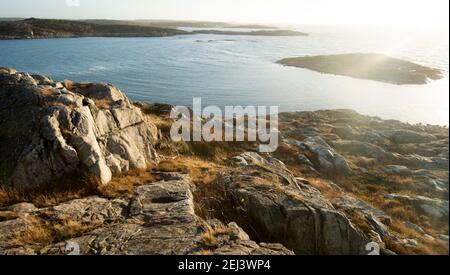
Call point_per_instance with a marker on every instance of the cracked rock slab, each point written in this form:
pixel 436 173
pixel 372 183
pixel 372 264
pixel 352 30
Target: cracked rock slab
pixel 158 219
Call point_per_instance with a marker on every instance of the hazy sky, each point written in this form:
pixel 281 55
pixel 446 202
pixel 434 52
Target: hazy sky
pixel 400 12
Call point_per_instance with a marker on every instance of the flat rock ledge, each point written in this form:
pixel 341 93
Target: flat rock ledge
pixel 159 219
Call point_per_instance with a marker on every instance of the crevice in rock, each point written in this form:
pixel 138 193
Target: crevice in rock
pixel 166 200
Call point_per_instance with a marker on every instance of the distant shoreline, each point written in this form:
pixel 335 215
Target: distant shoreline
pixel 51 28
pixel 48 28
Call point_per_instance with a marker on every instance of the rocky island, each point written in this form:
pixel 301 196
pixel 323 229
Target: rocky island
pixel 50 28
pixel 370 66
pixel 81 163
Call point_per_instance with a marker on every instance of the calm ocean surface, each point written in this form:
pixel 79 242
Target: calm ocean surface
pixel 241 70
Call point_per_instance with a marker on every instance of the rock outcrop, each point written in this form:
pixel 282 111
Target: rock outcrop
pixel 327 159
pixel 159 219
pixel 397 167
pixel 434 208
pixel 342 142
pixel 50 129
pixel 283 209
pixel 408 136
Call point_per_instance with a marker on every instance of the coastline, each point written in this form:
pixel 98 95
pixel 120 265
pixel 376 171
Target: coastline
pixel 33 28
pixel 297 86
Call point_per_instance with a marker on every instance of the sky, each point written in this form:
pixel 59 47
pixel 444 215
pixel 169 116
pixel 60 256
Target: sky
pixel 386 12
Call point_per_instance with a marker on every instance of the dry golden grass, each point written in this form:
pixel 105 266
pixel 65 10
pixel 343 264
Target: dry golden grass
pixel 427 245
pixel 47 91
pixel 81 184
pixel 326 189
pixel 164 125
pixel 8 215
pixel 77 185
pixel 156 110
pixel 125 183
pixel 35 234
pixel 209 150
pixel 204 253
pixel 215 151
pixel 361 161
pixel 397 210
pixel 402 249
pixel 396 179
pixel 218 152
pixel 434 247
pixel 74 186
pixel 289 155
pixel 103 104
pixel 41 232
pixel 159 116
pixel 440 173
pixel 56 104
pixel 68 84
pixel 209 237
pixel 401 228
pixel 402 212
pixel 172 166
pixel 374 193
pixel 201 172
pixel 360 221
pixel 4 195
pixel 211 201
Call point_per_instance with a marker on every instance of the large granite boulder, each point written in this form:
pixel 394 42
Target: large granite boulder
pixel 50 129
pixel 358 148
pixel 327 159
pixel 402 136
pixel 287 211
pixel 434 208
